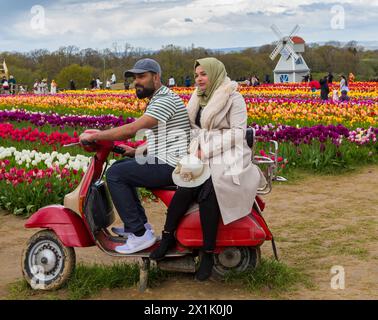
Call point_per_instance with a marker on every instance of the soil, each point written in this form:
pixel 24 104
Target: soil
pixel 318 221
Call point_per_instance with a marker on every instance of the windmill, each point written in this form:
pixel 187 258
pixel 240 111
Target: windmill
pixel 291 67
pixel 4 70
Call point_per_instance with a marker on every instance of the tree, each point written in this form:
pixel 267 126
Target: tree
pixel 81 75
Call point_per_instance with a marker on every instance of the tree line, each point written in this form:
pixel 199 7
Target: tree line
pixel 81 65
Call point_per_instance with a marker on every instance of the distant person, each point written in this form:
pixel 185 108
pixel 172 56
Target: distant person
pixel 343 84
pixel 171 82
pixel 12 84
pixel 335 96
pixel 43 88
pixel 351 77
pixel 306 78
pixel 255 81
pixel 72 85
pixel 5 85
pixel 21 90
pixel 126 84
pixel 108 85
pixel 36 87
pixel 93 83
pixel 330 77
pixel 188 81
pixel 53 87
pixel 324 88
pixel 267 78
pixel 98 83
pixel 344 96
pixel 113 79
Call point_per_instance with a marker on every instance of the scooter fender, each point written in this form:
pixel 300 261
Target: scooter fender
pixel 68 225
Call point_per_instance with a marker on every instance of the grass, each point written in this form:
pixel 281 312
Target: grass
pixel 88 281
pixel 271 275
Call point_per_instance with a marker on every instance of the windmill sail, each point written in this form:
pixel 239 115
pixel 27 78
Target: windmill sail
pixel 291 51
pixel 5 69
pixel 276 51
pixel 276 31
pixel 294 31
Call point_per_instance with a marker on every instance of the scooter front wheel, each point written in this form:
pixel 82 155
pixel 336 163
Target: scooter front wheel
pixel 236 259
pixel 46 263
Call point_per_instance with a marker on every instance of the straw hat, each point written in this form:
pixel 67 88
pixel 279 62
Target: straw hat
pixel 190 172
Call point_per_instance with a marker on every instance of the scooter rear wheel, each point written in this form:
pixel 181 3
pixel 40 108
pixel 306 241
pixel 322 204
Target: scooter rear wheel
pixel 236 259
pixel 46 263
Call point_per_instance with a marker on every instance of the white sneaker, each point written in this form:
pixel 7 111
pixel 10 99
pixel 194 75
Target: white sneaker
pixel 135 244
pixel 121 231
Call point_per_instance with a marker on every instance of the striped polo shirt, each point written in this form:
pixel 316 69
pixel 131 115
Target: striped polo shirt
pixel 169 140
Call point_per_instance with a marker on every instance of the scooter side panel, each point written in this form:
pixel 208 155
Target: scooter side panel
pixel 263 224
pixel 243 232
pixel 68 226
pixel 164 195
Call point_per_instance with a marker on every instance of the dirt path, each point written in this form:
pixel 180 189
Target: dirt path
pixel 319 222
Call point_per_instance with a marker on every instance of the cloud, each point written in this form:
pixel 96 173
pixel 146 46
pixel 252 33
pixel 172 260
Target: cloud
pixel 153 23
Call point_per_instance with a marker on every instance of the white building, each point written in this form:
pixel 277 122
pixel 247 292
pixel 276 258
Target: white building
pixel 288 69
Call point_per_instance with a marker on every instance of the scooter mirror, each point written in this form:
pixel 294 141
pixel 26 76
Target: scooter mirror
pixel 71 144
pixel 280 179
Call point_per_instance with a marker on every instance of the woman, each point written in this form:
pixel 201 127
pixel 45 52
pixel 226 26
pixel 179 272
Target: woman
pixel 218 117
pixel 53 87
pixel 343 84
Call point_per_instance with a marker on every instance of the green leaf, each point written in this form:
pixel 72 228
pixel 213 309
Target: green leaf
pixel 18 212
pixel 29 207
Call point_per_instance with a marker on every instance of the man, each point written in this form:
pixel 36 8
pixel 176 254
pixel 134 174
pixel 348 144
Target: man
pixel 98 83
pixel 113 78
pixel 93 83
pixel 167 142
pixel 12 84
pixel 171 82
pixel 188 81
pixel 330 77
pixel 324 89
pixel 126 84
pixel 72 85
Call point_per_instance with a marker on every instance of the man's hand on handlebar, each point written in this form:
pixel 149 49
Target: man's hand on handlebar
pixel 87 137
pixel 129 151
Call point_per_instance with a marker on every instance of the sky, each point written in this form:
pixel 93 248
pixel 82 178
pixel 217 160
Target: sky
pixel 151 24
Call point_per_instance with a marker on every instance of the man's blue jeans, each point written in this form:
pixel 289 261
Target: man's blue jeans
pixel 124 176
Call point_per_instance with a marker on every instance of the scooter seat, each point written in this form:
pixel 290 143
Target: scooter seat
pixel 172 188
pixel 250 137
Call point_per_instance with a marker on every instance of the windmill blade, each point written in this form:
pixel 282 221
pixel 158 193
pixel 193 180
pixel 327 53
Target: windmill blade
pixel 295 30
pixel 290 49
pixel 276 31
pixel 276 51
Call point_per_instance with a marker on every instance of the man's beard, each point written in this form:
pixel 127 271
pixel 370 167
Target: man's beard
pixel 144 92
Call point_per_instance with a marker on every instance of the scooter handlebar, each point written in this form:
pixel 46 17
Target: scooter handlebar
pixel 119 150
pixel 87 143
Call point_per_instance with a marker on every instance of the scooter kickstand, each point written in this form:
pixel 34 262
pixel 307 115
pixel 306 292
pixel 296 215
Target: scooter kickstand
pixel 143 274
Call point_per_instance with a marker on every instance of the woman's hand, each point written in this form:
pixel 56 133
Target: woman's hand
pixel 199 154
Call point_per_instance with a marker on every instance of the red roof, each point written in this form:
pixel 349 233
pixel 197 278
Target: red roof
pixel 297 40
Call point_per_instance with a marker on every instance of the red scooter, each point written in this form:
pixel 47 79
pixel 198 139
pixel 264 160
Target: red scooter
pixel 48 259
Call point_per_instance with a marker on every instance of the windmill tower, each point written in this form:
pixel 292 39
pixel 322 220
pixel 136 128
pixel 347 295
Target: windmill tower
pixel 291 67
pixel 4 70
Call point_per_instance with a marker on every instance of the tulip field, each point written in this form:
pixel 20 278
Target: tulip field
pixel 315 136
